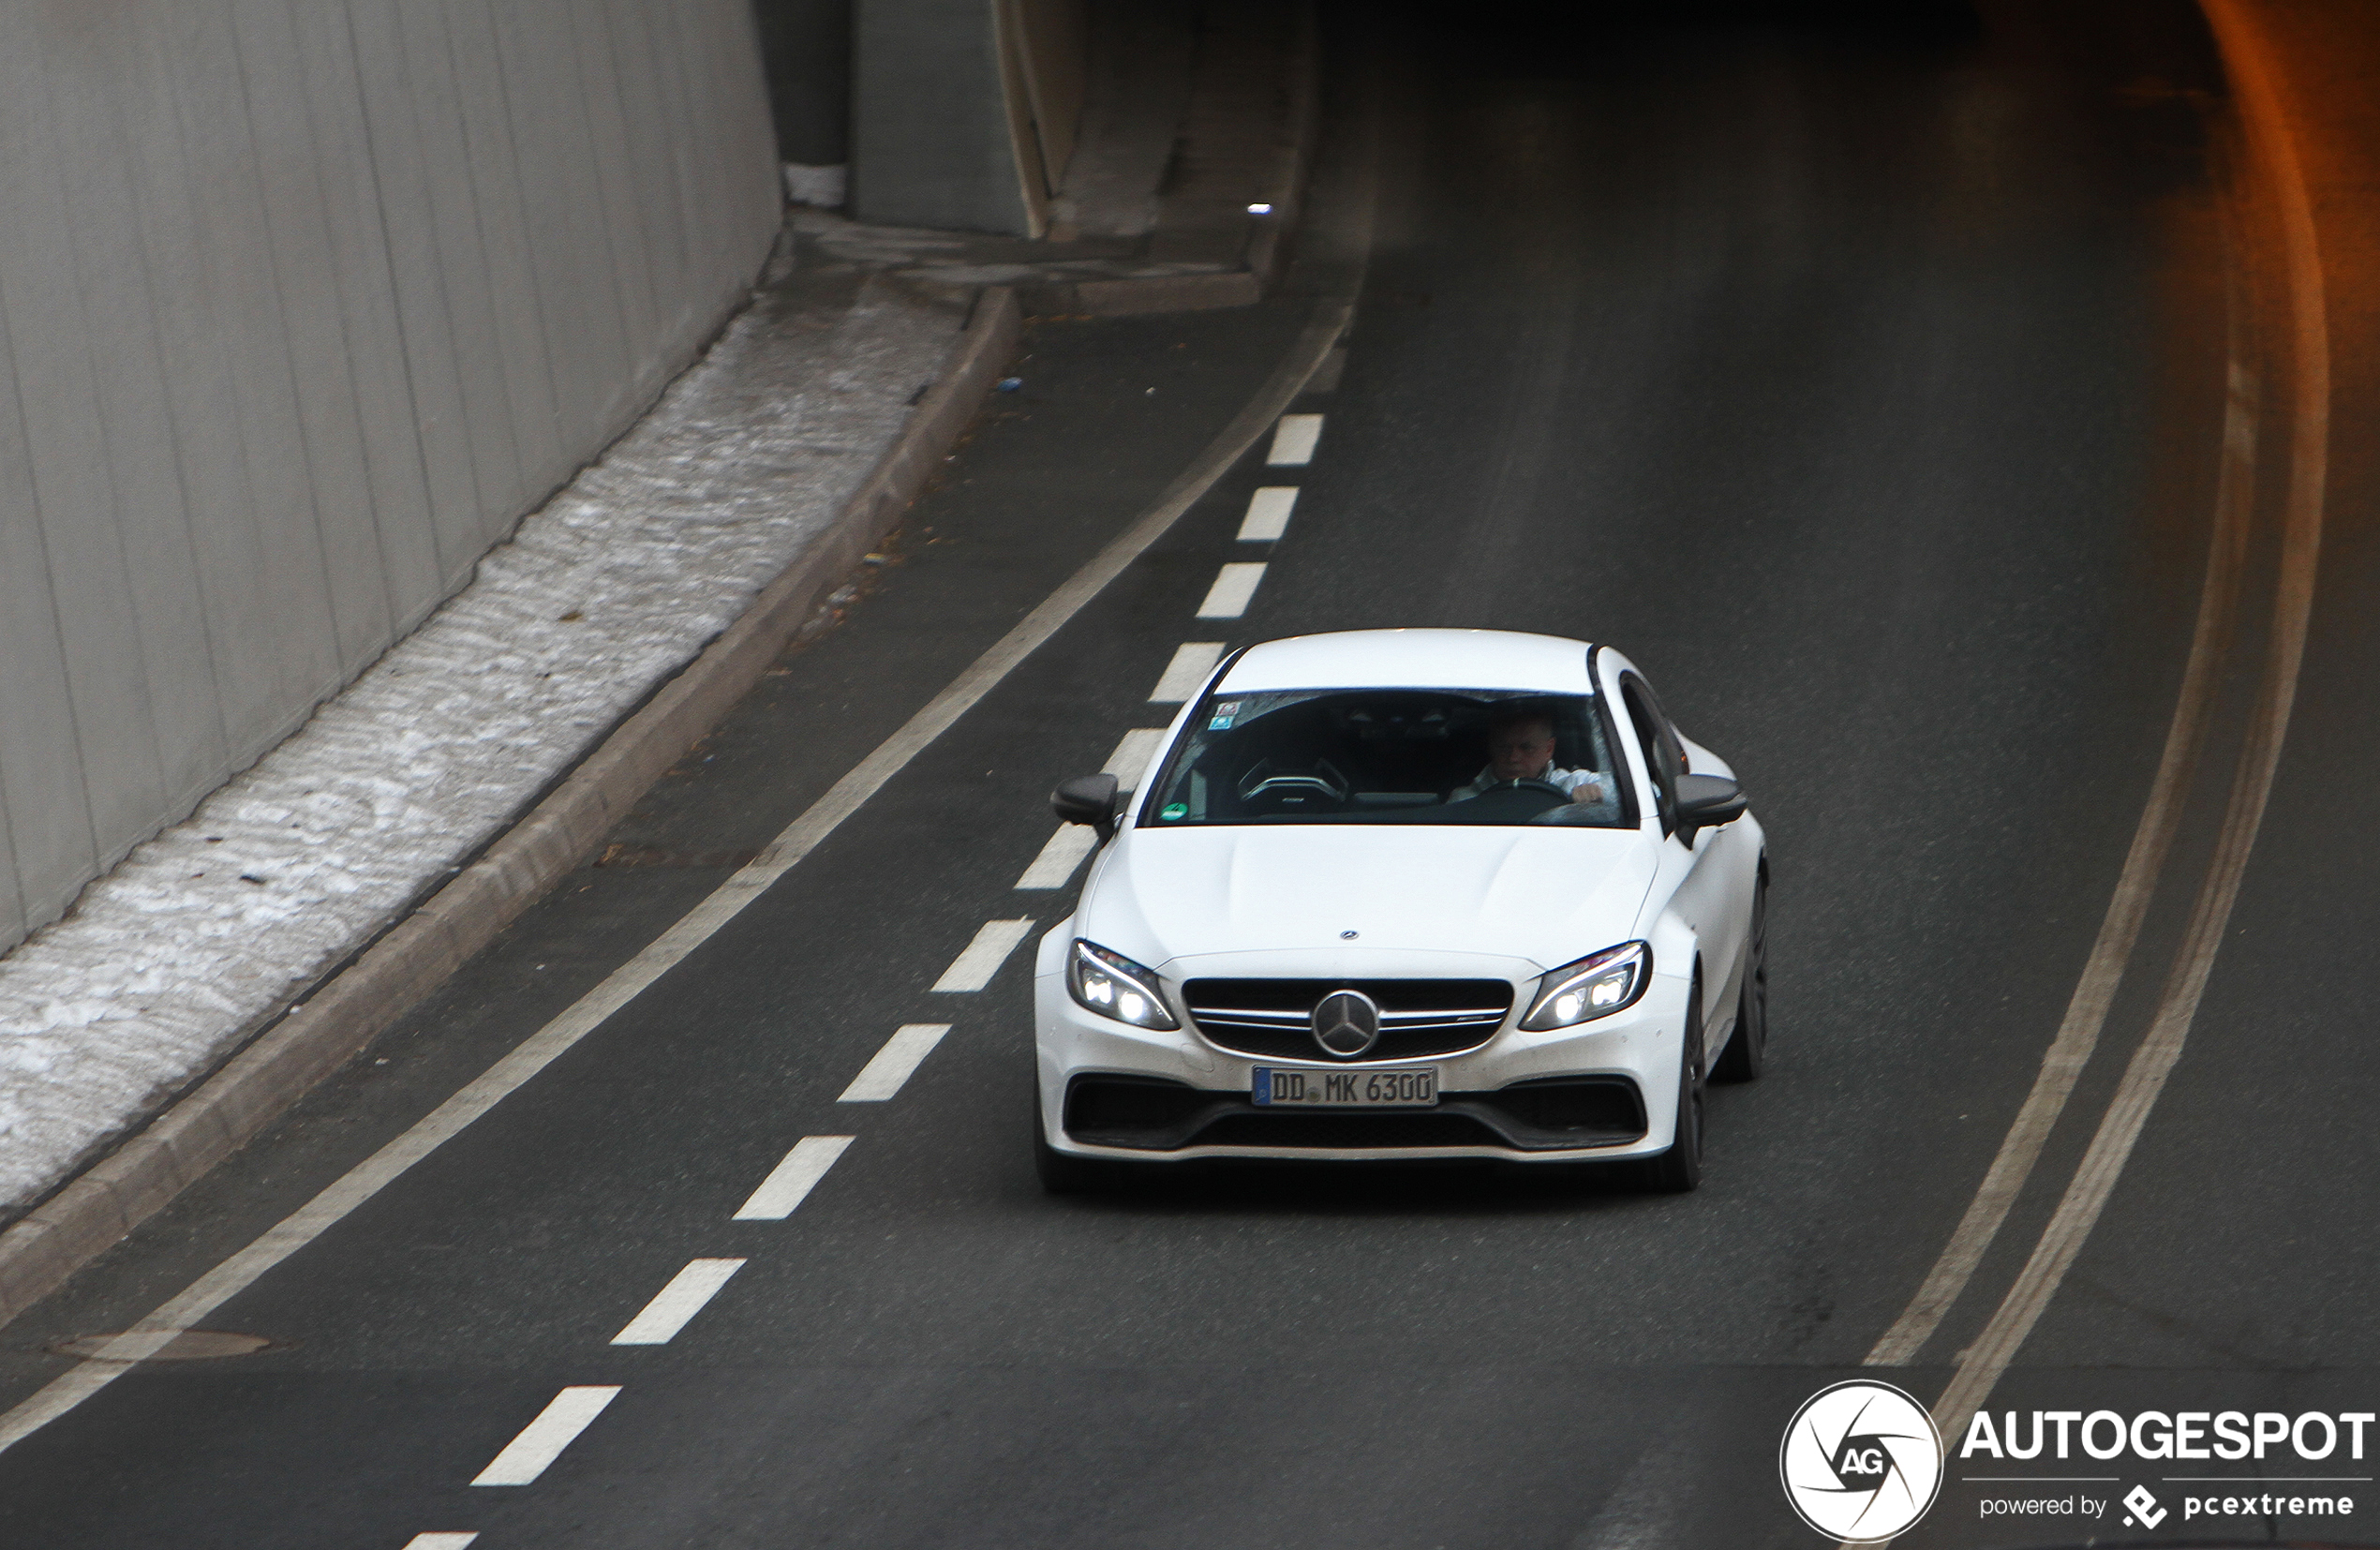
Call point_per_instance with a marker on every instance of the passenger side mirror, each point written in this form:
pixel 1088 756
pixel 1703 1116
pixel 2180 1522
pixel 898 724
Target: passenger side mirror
pixel 1087 799
pixel 1707 801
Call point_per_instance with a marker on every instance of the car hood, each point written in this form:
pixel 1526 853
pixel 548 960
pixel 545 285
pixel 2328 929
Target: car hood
pixel 1544 894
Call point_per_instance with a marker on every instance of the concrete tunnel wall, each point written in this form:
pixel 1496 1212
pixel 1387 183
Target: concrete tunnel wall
pixel 303 304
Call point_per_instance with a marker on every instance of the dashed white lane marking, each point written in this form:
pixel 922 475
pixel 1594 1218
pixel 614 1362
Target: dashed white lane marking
pixel 882 1077
pixel 1191 661
pixel 1268 515
pixel 678 1302
pixel 541 1440
pixel 442 1542
pixel 791 1181
pixel 976 963
pixel 1133 751
pixel 1293 439
pixel 1059 857
pixel 1234 586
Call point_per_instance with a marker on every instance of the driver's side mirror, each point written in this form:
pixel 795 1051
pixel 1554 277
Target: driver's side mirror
pixel 1088 799
pixel 1707 801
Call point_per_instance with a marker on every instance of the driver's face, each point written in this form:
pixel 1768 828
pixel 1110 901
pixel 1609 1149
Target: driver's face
pixel 1521 751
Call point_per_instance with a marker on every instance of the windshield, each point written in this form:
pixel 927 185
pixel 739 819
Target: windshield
pixel 1392 756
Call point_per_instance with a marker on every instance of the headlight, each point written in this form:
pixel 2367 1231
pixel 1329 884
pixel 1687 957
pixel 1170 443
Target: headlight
pixel 1114 986
pixel 1590 988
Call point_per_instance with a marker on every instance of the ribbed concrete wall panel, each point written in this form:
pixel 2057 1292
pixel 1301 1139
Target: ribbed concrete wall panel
pixel 454 277
pixel 41 301
pixel 303 304
pixel 47 782
pixel 652 193
pixel 407 225
pixel 239 311
pixel 244 630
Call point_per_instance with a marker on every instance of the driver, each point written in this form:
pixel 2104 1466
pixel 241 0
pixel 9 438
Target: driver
pixel 1520 748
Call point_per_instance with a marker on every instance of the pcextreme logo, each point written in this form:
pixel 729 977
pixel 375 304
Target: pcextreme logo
pixel 1861 1461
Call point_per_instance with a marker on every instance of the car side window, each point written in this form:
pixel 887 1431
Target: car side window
pixel 1661 750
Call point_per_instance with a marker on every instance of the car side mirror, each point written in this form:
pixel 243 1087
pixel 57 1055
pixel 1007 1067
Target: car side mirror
pixel 1087 799
pixel 1707 801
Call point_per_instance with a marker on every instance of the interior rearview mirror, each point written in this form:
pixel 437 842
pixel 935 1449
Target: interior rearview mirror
pixel 1087 799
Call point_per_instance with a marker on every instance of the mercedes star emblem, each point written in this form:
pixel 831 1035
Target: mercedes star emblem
pixel 1346 1024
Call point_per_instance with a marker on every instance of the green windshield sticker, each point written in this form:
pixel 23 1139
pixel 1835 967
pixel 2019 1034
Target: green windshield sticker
pixel 1174 810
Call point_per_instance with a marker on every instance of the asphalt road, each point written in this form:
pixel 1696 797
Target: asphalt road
pixel 1865 386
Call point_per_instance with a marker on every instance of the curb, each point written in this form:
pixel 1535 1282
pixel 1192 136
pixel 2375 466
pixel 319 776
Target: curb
pixel 346 1011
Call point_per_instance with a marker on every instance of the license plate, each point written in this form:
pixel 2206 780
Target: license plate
pixel 1388 1087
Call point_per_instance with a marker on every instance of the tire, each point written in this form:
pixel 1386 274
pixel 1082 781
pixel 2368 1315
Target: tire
pixel 1748 1051
pixel 1679 1169
pixel 1060 1173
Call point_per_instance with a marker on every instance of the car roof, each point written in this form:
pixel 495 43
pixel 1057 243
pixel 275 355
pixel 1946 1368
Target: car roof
pixel 1414 658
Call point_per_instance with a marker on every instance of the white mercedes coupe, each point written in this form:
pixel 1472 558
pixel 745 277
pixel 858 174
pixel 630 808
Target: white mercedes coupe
pixel 1405 894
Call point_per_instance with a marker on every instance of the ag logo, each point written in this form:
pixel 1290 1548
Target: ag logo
pixel 1861 1461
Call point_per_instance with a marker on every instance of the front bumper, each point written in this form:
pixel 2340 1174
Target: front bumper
pixel 1603 1090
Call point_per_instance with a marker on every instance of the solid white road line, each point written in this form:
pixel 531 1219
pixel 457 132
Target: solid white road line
pixel 1060 855
pixel 805 834
pixel 678 1302
pixel 979 960
pixel 1268 515
pixel 882 1077
pixel 1134 752
pixel 791 1181
pixel 1191 661
pixel 440 1542
pixel 1235 585
pixel 542 1441
pixel 1293 439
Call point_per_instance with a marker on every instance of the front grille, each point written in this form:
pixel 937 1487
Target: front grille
pixel 1274 1018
